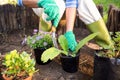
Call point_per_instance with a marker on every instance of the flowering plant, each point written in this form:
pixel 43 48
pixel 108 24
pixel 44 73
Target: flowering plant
pixel 40 40
pixel 18 64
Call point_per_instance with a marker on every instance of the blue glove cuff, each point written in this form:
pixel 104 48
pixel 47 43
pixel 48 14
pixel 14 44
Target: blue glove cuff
pixel 69 33
pixel 20 3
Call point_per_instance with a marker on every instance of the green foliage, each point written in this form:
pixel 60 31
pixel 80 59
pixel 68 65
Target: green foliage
pixel 114 52
pixel 105 17
pixel 106 3
pixel 40 40
pixel 116 40
pixel 51 53
pixel 17 63
pixel 107 53
pixel 84 41
pixel 63 43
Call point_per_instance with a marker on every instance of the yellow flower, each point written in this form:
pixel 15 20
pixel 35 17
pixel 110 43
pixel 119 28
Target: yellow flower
pixel 14 53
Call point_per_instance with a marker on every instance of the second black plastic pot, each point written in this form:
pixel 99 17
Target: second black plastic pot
pixel 70 64
pixel 106 68
pixel 38 52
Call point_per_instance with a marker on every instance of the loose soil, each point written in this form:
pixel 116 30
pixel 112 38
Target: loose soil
pixel 53 70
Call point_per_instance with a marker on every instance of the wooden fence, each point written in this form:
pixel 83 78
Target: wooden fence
pixel 12 18
pixel 113 22
pixel 17 18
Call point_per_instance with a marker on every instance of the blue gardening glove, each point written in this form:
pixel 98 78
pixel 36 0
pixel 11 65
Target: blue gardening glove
pixel 71 40
pixel 51 9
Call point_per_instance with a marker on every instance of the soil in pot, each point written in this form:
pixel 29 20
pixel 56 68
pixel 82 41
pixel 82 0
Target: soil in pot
pixel 70 64
pixel 38 52
pixel 106 68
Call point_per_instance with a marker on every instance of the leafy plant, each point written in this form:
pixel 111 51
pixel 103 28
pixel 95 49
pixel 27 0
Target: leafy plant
pixel 116 40
pixel 40 40
pixel 17 64
pixel 52 52
pixel 115 51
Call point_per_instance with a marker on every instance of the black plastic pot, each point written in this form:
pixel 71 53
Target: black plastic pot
pixel 70 64
pixel 106 68
pixel 38 52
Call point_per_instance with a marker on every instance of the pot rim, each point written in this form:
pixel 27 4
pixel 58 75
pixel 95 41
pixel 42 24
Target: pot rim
pixel 113 60
pixel 8 78
pixel 97 51
pixel 64 56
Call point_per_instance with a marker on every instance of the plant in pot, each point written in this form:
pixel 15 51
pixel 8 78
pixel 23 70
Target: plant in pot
pixel 69 60
pixel 40 42
pixel 18 66
pixel 107 61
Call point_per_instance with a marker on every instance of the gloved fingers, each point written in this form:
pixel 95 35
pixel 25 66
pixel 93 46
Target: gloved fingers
pixel 51 17
pixel 71 40
pixel 53 9
pixel 72 46
pixel 51 13
pixel 56 20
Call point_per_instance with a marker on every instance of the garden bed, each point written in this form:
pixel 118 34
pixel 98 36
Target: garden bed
pixel 53 70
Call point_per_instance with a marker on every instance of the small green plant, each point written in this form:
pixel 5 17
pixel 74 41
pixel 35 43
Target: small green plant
pixel 116 40
pixel 40 40
pixel 52 52
pixel 18 64
pixel 115 51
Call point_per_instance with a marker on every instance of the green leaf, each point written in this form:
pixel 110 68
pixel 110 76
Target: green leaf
pixel 51 53
pixel 63 42
pixel 84 41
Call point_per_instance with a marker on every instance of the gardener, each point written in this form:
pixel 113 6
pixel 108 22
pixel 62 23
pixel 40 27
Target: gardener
pixel 90 15
pixel 87 11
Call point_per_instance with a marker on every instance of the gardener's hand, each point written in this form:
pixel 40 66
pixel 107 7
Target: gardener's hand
pixel 71 40
pixel 51 9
